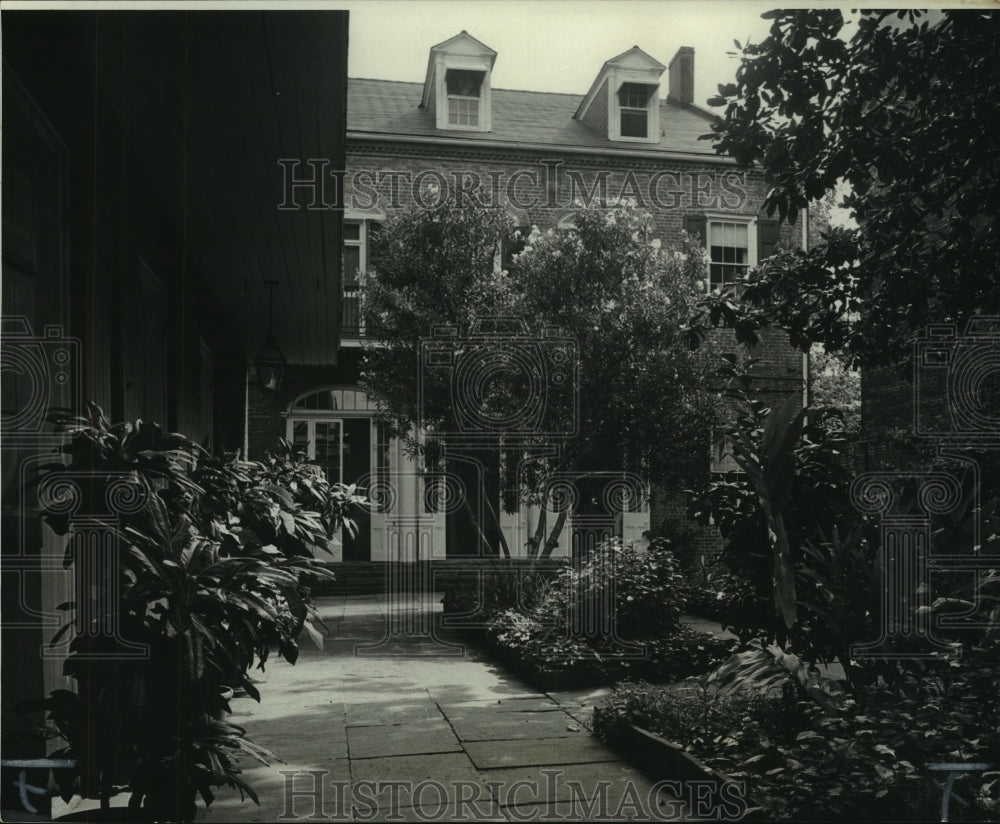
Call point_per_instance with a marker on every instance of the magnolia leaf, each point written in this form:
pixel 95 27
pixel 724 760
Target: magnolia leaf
pixel 314 634
pixel 288 520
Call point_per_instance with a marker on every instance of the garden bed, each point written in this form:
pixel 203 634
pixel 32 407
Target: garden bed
pixel 828 757
pixel 662 760
pixel 539 678
pixel 585 674
pixel 535 629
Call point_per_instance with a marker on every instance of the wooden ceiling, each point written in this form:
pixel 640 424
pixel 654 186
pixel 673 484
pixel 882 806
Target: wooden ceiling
pixel 257 87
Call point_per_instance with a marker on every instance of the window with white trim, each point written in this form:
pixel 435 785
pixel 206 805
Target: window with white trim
pixel 722 460
pixel 464 89
pixel 323 442
pixel 357 238
pixel 633 109
pixel 732 249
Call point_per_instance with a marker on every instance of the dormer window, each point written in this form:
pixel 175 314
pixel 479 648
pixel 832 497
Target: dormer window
pixel 464 97
pixel 624 102
pixel 457 87
pixel 633 109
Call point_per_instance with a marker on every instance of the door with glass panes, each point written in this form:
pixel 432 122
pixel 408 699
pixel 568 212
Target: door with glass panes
pixel 342 449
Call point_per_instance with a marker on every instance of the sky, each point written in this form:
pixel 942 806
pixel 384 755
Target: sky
pixel 552 45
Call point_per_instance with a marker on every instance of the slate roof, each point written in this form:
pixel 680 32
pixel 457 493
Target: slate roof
pixel 390 107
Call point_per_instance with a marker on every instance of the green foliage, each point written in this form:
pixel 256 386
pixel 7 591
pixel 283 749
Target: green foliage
pixel 793 492
pixel 484 594
pixel 713 591
pixel 769 464
pixel 204 584
pixel 813 753
pixel 428 268
pixel 893 107
pixel 760 668
pixel 645 589
pixel 644 396
pixel 283 501
pixel 862 743
pixel 833 384
pixel 836 559
pixel 698 717
pixel 870 751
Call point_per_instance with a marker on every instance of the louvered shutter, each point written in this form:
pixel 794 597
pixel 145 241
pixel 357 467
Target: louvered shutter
pixel 696 226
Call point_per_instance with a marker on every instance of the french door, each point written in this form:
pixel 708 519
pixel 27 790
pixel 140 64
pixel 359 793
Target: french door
pixel 342 447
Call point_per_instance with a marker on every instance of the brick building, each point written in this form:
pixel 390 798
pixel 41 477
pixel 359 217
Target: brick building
pixel 634 134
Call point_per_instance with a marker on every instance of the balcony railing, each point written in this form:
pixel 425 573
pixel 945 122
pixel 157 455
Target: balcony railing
pixel 351 323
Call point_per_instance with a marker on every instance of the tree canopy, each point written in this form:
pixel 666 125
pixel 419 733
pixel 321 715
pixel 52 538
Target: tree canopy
pixel 639 399
pixel 899 108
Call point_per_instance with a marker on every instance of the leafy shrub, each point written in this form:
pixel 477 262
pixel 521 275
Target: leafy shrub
pixel 712 591
pixel 485 594
pixel 809 751
pixel 695 715
pixel 645 591
pixel 792 498
pixel 685 653
pixel 644 587
pixel 213 558
pixel 284 501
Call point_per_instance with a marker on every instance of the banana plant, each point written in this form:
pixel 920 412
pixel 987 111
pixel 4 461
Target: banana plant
pixel 762 667
pixel 769 464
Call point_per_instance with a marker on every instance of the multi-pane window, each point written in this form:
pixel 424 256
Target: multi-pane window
pixel 323 442
pixel 463 111
pixel 729 249
pixel 464 89
pixel 722 459
pixel 353 248
pixel 357 238
pixel 633 106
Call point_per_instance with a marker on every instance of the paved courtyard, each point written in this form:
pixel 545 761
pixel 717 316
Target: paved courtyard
pixel 400 726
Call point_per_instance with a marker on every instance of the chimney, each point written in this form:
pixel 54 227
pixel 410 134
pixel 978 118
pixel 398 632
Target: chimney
pixel 682 76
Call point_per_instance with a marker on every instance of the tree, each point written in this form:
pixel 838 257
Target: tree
pixel 637 399
pixel 899 108
pixel 833 384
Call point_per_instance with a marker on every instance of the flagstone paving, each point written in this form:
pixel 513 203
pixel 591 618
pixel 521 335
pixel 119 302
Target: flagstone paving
pixel 410 727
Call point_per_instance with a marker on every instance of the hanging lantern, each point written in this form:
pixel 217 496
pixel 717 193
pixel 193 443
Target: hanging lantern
pixel 269 362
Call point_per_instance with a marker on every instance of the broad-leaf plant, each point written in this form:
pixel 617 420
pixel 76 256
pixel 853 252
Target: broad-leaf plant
pixel 213 557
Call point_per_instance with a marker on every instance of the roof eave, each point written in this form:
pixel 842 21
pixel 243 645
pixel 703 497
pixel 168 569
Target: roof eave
pixel 618 58
pixel 428 79
pixel 588 98
pixel 618 151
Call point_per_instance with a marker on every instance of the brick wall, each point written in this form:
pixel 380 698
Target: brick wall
pixel 543 187
pixel 540 189
pixel 266 410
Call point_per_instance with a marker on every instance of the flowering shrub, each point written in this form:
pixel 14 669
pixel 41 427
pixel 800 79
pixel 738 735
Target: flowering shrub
pixel 644 587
